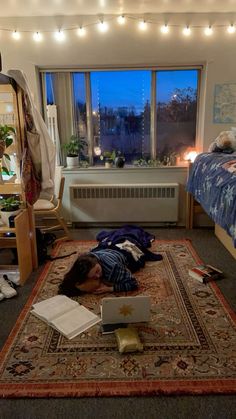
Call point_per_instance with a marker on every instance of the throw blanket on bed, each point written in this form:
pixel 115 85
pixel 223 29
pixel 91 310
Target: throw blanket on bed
pixel 212 182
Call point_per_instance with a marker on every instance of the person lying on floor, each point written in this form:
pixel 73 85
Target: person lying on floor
pixel 107 268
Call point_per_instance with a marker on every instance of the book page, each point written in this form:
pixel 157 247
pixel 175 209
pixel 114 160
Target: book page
pixel 53 307
pixel 76 321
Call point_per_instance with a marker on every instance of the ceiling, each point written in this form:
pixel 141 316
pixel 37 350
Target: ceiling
pixel 10 8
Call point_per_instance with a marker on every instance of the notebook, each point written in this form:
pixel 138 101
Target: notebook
pixel 125 309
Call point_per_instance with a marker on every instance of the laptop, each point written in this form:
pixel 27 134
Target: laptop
pixel 125 309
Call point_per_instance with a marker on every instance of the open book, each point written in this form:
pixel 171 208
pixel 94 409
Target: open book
pixel 66 316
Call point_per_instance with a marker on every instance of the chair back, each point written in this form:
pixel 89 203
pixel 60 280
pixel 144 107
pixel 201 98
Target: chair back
pixel 61 189
pixel 57 181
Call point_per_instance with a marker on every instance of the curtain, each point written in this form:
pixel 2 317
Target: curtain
pixel 60 86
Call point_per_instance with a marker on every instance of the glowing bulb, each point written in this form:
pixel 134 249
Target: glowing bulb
pixel 143 25
pixel 121 20
pixel 97 151
pixel 187 31
pixel 164 29
pixel 59 35
pixel 37 37
pixel 231 29
pixel 16 35
pixel 81 31
pixel 103 26
pixel 208 31
pixel 191 156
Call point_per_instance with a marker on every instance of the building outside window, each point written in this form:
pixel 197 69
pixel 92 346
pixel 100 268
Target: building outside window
pixel 113 111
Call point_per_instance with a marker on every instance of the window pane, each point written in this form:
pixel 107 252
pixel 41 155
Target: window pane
pixel 176 94
pixel 79 96
pixel 49 89
pixel 121 112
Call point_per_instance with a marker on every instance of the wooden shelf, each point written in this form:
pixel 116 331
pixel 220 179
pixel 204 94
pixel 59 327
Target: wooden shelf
pixel 10 188
pixel 22 242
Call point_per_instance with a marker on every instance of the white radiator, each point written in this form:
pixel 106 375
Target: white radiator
pixel 124 202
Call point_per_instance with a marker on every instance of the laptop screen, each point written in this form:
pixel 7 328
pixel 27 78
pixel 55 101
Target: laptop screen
pixel 125 309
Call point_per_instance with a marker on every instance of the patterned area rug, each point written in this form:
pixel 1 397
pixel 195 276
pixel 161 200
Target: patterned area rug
pixel 189 345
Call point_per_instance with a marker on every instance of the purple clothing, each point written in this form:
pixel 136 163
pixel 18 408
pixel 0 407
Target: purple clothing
pixel 134 234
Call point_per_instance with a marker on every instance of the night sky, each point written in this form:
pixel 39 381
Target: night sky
pixel 129 88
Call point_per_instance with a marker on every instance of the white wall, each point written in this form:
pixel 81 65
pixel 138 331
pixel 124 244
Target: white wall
pixel 125 46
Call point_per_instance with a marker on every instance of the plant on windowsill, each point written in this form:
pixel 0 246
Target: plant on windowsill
pixel 5 141
pixel 9 206
pixel 109 158
pixel 73 150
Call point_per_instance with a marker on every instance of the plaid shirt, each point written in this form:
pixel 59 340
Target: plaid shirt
pixel 114 270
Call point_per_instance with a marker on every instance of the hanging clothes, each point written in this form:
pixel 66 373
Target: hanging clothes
pixel 40 144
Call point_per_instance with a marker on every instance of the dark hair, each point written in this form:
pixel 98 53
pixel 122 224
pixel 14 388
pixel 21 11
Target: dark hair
pixel 77 275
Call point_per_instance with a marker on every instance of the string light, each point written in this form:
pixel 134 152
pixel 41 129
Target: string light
pixel 143 25
pixel 121 20
pixel 16 35
pixel 59 36
pixel 37 37
pixel 231 29
pixel 164 29
pixel 208 31
pixel 103 26
pixel 81 31
pixel 187 31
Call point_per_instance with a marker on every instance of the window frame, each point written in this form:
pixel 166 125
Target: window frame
pixel 201 92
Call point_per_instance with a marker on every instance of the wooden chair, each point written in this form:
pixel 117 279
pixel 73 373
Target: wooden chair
pixel 51 207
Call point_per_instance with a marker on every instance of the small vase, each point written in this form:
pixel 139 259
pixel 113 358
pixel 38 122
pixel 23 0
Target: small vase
pixel 72 162
pixel 108 164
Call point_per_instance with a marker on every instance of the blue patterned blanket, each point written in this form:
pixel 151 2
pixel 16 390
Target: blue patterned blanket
pixel 212 182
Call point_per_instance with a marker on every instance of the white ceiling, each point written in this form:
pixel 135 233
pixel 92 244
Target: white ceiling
pixel 10 8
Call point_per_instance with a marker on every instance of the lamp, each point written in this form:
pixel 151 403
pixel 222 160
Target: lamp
pixel 97 148
pixel 190 154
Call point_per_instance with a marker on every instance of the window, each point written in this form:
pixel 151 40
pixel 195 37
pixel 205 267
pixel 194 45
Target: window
pixel 121 112
pixel 144 114
pixel 176 111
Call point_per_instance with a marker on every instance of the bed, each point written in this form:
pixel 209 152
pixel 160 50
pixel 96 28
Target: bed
pixel 212 182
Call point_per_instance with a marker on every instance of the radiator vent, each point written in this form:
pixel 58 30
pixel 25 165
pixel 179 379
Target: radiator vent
pixel 123 192
pixel 124 202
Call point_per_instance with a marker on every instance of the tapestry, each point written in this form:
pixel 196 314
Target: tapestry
pixel 224 111
pixel 189 343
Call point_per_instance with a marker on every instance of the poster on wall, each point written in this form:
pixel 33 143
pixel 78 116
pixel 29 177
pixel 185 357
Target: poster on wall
pixel 225 103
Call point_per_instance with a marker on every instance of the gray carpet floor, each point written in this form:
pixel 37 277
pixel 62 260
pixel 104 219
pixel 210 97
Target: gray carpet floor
pixel 210 251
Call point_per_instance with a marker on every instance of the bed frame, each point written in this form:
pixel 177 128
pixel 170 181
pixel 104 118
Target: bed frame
pixel 225 240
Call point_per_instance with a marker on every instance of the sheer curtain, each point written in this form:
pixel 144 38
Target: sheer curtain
pixel 60 86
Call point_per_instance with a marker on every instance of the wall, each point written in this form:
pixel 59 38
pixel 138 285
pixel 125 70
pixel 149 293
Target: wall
pixel 126 46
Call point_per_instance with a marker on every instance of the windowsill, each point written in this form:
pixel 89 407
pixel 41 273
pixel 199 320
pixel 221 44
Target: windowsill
pixel 123 169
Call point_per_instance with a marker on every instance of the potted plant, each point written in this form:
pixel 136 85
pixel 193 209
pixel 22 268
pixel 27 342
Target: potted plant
pixel 9 206
pixel 109 158
pixel 5 141
pixel 73 150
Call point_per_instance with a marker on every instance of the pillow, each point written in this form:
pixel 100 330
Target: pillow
pixel 128 340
